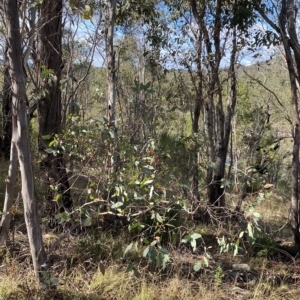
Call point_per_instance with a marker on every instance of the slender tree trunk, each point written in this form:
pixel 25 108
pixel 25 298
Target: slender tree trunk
pixel 9 195
pixel 199 103
pixel 224 130
pixel 196 117
pixel 296 145
pixel 287 21
pixel 20 135
pixel 50 107
pixel 112 81
pixel 218 126
pixel 6 108
pixel 286 29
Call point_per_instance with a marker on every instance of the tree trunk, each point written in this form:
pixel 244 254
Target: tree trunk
pixel 218 187
pixel 286 18
pixel 6 108
pixel 49 107
pixel 112 80
pixel 286 29
pixel 218 125
pixel 195 127
pixel 9 195
pixel 20 135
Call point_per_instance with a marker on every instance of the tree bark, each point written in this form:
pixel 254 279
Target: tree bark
pixel 287 21
pixel 9 195
pixel 218 122
pixel 195 125
pixel 20 135
pixel 112 81
pixel 6 108
pixel 286 29
pixel 49 107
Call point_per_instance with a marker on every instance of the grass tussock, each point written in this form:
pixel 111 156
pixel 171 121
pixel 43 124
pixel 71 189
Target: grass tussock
pixel 86 269
pixel 118 284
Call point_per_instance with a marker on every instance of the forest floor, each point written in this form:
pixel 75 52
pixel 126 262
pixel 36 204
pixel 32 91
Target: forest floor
pixel 90 264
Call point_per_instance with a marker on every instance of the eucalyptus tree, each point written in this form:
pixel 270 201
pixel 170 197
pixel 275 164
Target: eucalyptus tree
pixel 6 108
pixel 213 31
pixel 9 150
pixel 49 65
pixel 28 15
pixel 20 133
pixel 282 19
pixel 112 79
pixel 139 49
pixel 124 16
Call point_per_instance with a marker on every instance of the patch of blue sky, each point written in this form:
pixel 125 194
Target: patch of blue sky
pixel 180 42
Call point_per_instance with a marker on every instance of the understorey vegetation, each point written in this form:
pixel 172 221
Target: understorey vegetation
pixel 149 150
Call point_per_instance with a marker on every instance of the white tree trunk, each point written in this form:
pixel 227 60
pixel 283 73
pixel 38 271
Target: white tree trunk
pixel 20 134
pixel 9 195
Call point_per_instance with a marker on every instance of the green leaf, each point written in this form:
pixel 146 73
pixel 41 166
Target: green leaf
pixel 159 218
pixel 186 239
pixel 250 230
pixel 197 267
pixel 236 248
pixel 146 181
pixel 153 243
pixel 146 241
pixel 170 225
pixel 129 268
pixel 204 261
pixel 44 274
pixel 136 272
pixel 146 171
pixel 151 192
pixel 194 244
pixel 47 137
pixel 257 215
pixel 49 150
pixel 163 251
pixel 146 251
pixel 57 197
pixel 151 254
pixel 196 236
pixel 54 280
pixel 147 85
pixel 87 222
pixel 117 204
pixel 149 167
pixel 129 247
pixel 159 260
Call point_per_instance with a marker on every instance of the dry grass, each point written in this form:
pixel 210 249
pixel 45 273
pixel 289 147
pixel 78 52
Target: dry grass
pixel 77 260
pixel 77 264
pixel 17 283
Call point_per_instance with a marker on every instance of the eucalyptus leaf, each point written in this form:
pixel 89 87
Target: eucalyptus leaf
pixel 129 247
pixel 87 222
pixel 196 236
pixel 197 267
